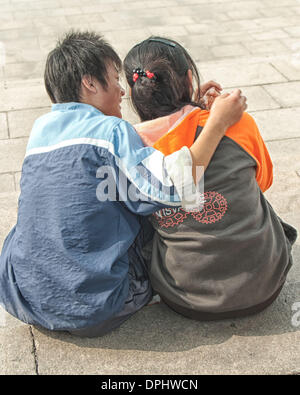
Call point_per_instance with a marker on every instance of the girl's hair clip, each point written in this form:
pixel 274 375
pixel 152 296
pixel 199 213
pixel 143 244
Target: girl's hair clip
pixel 139 72
pixel 163 41
pixel 150 75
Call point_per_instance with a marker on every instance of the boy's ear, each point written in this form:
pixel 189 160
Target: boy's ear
pixel 88 83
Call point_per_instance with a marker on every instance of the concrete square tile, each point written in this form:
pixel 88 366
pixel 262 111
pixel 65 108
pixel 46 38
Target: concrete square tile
pixel 290 67
pixel 257 98
pixel 279 22
pixel 16 357
pixel 169 31
pixel 6 15
pixel 292 43
pixel 3 126
pixel 21 122
pixel 19 95
pixel 198 40
pixel 2 58
pixel 229 50
pixel 245 14
pixel 284 193
pixel 25 55
pixel 293 31
pixel 12 154
pixel 8 213
pixel 231 38
pixel 159 341
pixel 274 34
pixel 7 183
pixel 30 14
pixel 17 176
pixel 21 71
pixel 9 35
pixel 236 75
pixel 201 53
pixel 205 27
pixel 287 94
pixel 8 321
pixel 279 124
pixel 266 47
pixel 276 11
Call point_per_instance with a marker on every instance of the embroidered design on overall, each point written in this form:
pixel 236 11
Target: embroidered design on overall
pixel 170 216
pixel 215 207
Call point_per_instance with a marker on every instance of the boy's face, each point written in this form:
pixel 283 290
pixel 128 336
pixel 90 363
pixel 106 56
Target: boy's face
pixel 109 101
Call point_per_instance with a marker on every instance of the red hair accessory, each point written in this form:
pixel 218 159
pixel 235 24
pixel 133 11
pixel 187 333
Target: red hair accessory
pixel 149 74
pixel 139 72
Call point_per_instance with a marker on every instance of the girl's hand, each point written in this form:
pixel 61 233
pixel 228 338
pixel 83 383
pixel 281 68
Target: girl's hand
pixel 208 92
pixel 208 86
pixel 209 98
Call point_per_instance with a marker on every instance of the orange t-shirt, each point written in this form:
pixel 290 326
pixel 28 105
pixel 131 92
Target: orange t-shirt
pixel 245 133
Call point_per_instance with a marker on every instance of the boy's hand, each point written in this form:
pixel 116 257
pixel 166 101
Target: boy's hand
pixel 227 109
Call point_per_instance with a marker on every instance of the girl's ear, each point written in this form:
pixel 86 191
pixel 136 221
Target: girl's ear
pixel 130 91
pixel 190 80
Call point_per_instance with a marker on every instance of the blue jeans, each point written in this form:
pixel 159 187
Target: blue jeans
pixel 140 290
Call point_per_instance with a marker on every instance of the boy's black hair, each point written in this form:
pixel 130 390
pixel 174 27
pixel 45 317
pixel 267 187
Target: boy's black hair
pixel 170 89
pixel 75 55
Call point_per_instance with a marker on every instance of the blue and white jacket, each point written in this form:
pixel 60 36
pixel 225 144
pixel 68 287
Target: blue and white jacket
pixel 64 265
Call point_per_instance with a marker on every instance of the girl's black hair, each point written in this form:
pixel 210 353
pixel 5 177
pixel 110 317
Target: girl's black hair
pixel 75 55
pixel 170 89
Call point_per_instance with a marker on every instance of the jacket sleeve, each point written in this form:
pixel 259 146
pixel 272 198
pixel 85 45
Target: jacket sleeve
pixel 146 180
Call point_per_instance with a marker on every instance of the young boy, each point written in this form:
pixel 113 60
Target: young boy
pixel 73 261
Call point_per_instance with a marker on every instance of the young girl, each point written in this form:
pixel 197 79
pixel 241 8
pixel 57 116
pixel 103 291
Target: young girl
pixel 232 257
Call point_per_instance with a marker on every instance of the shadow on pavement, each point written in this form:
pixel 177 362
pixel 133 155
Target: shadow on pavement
pixel 157 328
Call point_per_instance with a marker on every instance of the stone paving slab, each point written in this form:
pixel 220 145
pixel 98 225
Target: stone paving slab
pixel 232 75
pixel 7 182
pixel 278 124
pixel 8 213
pixel 12 154
pixel 16 352
pixel 284 193
pixel 257 98
pixel 3 126
pixel 288 94
pixel 290 68
pixel 159 341
pixel 14 95
pixel 21 121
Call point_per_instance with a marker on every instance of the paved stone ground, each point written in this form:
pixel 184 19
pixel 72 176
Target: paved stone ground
pixel 254 45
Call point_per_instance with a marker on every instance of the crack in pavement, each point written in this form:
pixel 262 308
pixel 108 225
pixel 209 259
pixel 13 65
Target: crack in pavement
pixel 34 351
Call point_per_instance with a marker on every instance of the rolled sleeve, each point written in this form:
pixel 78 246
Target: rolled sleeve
pixel 179 166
